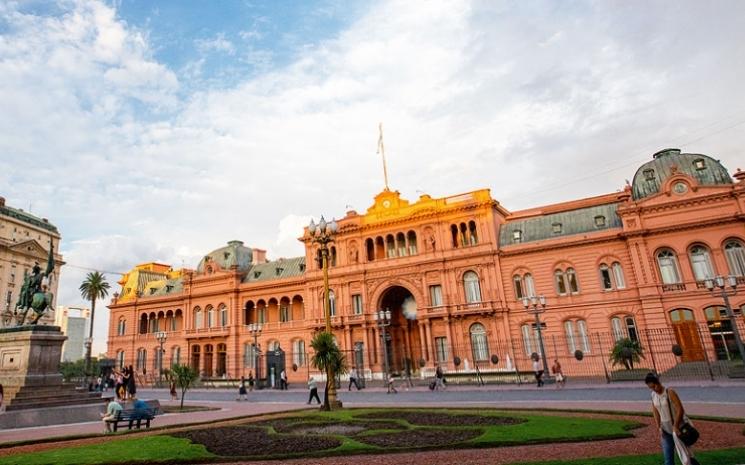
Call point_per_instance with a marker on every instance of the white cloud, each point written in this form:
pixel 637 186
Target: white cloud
pixel 215 44
pixel 534 101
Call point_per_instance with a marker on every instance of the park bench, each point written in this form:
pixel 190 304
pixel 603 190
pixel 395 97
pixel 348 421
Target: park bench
pixel 136 417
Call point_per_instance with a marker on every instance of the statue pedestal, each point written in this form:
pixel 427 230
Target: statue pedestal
pixel 30 378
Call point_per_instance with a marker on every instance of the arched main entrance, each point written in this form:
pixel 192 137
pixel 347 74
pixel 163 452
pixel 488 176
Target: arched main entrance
pixel 403 341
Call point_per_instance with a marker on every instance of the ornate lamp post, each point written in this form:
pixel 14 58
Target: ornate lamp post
pixel 720 284
pixel 383 320
pixel 161 337
pixel 255 329
pixel 322 234
pixel 536 305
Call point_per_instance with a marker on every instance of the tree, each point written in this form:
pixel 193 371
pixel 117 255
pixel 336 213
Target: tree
pixel 328 358
pixel 76 370
pixel 626 352
pixel 184 375
pixel 93 288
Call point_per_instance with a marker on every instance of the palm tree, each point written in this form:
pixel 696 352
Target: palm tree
pixel 328 358
pixel 626 352
pixel 94 287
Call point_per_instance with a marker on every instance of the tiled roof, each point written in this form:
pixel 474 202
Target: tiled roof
pixel 171 286
pixel 653 174
pixel 27 218
pixel 278 269
pixel 570 222
pixel 233 254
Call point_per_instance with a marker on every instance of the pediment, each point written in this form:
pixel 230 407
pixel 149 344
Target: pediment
pixel 31 248
pixel 681 188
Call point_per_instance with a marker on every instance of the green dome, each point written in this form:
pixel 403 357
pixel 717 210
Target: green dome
pixel 235 253
pixel 651 176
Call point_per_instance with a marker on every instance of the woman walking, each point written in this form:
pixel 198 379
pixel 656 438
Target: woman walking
pixel 242 393
pixel 670 419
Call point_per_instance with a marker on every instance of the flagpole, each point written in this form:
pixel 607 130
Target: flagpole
pixel 381 151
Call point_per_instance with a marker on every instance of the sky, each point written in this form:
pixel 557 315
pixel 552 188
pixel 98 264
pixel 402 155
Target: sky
pixel 158 131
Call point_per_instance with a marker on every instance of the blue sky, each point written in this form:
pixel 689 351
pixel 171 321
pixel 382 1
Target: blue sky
pixel 158 131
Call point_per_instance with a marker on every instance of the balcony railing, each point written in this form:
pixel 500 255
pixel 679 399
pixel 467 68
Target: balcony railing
pixel 214 331
pixel 673 287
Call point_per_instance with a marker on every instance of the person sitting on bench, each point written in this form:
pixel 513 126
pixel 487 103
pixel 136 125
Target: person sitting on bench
pixel 112 411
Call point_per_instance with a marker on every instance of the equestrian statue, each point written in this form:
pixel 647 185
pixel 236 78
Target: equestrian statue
pixel 34 292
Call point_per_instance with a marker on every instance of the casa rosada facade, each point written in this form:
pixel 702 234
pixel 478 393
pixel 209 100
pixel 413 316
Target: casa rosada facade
pixel 454 272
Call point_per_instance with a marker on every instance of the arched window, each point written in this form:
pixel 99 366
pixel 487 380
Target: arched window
pixel 411 240
pixel 120 359
pixel 560 281
pixel 332 256
pixel 681 315
pixel 223 315
pixel 735 253
pixel 517 281
pixel 250 355
pixel 472 288
pixel 298 352
pixel 401 244
pixel 529 285
pixel 157 359
pixel 175 355
pixel 121 327
pixel 143 323
pixel 473 237
pixel 379 248
pixel 479 344
pixel 624 326
pixel 576 335
pixel 606 281
pixel 618 275
pixel 454 235
pixel 668 264
pixel 210 316
pixel 701 263
pixel 572 282
pixel 370 247
pixel 198 318
pixel 390 246
pixel 463 234
pixel 272 345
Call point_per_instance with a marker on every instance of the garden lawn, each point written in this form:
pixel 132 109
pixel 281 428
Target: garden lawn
pixel 710 457
pixel 146 449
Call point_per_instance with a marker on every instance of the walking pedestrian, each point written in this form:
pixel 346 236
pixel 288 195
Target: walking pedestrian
pixel 313 390
pixel 251 381
pixel 353 380
pixel 439 378
pixel 172 388
pixel 559 374
pixel 671 422
pixel 538 370
pixel 283 380
pixel 242 393
pixel 391 386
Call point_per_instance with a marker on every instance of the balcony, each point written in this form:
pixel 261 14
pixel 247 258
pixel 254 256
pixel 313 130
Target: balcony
pixel 679 287
pixel 208 332
pixel 473 308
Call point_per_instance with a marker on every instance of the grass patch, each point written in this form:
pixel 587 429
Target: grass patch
pixel 489 428
pixel 143 449
pixel 709 457
pixel 186 409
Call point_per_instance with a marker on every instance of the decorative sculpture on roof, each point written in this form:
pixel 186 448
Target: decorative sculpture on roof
pixel 34 292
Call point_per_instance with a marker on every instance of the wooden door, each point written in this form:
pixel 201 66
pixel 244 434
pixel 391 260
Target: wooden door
pixel 686 333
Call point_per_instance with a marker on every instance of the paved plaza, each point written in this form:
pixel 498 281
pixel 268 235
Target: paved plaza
pixel 719 400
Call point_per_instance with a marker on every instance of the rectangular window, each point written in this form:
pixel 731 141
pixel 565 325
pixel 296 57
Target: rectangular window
pixel 435 295
pixel 357 304
pixel 9 298
pixel 569 331
pixel 518 281
pixel 618 274
pixel 441 347
pixel 284 313
pixel 599 221
pixel 556 228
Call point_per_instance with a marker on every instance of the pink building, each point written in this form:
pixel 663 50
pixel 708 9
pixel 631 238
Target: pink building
pixel 454 272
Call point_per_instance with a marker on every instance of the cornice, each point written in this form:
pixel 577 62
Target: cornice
pixel 739 217
pixel 686 202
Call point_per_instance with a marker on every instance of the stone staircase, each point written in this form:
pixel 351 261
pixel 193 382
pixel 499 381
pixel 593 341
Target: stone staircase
pixel 28 397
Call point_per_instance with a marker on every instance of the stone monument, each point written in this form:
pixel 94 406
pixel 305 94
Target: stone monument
pixel 32 392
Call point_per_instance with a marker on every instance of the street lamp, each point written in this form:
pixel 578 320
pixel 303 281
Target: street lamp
pixel 536 305
pixel 255 329
pixel 383 320
pixel 161 337
pixel 323 234
pixel 87 343
pixel 720 283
